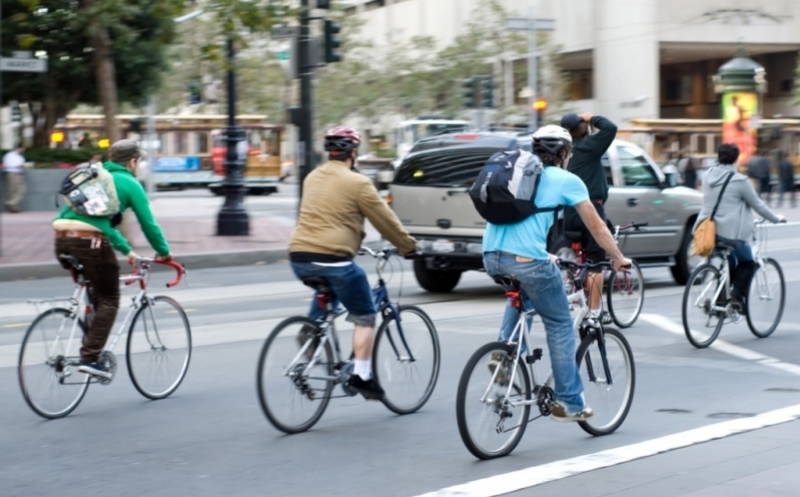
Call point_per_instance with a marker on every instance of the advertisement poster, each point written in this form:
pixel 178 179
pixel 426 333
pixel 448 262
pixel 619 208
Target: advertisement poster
pixel 177 164
pixel 739 120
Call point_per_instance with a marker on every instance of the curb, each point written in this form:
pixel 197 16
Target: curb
pixel 202 260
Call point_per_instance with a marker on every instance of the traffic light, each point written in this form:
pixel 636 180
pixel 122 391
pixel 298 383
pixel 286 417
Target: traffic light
pixel 487 92
pixel 540 105
pixel 16 112
pixel 469 93
pixel 332 42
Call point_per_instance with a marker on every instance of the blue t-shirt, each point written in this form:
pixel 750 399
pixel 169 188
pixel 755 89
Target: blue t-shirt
pixel 528 237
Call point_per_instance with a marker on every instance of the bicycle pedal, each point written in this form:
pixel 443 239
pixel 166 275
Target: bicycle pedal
pixel 537 354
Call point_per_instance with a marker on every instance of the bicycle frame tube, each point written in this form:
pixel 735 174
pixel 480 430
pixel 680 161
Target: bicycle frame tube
pixel 77 297
pixel 381 295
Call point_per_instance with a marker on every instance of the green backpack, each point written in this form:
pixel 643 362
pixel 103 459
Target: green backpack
pixel 90 190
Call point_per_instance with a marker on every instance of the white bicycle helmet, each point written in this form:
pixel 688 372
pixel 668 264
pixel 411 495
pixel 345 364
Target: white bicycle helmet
pixel 551 139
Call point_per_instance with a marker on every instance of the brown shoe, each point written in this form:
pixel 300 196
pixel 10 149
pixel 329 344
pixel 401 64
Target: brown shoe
pixel 559 413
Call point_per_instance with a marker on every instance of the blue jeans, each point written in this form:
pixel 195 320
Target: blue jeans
pixel 541 281
pixel 742 251
pixel 349 284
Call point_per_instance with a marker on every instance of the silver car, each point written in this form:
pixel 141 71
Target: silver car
pixel 429 195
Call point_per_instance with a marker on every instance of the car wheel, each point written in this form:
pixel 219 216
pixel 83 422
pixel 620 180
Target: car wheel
pixel 435 280
pixel 684 263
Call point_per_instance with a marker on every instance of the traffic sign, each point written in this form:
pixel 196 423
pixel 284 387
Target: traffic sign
pixel 283 55
pixel 23 65
pixel 523 24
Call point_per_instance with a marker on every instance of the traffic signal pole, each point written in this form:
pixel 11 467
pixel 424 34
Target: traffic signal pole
pixel 305 157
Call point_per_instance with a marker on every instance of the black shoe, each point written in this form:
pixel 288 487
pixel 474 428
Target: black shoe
pixel 368 388
pixel 94 368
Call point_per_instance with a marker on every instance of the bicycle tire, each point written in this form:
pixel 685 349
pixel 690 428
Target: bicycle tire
pixel 260 386
pixel 584 352
pixel 754 283
pixel 611 287
pixel 132 354
pixel 82 386
pixel 398 345
pixel 462 397
pixel 687 328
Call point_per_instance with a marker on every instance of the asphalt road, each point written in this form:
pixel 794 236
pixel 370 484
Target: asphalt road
pixel 210 438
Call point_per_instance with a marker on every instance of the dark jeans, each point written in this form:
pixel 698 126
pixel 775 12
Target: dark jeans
pixel 350 285
pixel 101 270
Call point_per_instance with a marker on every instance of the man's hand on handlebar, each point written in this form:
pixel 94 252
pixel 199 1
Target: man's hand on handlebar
pixel 414 254
pixel 132 258
pixel 164 258
pixel 621 263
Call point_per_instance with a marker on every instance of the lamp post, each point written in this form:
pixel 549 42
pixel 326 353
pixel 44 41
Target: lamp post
pixel 232 219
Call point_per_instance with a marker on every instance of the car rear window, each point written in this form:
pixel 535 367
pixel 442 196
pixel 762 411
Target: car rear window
pixel 447 168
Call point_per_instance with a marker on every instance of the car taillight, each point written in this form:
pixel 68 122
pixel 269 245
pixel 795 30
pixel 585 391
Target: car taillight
pixel 467 136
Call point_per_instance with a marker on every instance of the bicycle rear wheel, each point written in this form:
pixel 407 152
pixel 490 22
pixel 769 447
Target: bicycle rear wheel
pixel 405 361
pixel 701 322
pixel 292 396
pixel 608 392
pixel 159 347
pixel 766 299
pixel 625 295
pixel 49 379
pixel 489 425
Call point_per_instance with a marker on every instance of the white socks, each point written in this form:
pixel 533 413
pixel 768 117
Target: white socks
pixel 363 368
pixel 597 312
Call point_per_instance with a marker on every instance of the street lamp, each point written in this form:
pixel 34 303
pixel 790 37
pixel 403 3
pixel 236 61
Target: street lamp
pixel 232 219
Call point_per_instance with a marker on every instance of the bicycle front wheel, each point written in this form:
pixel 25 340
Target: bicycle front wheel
pixel 292 395
pixel 608 386
pixel 701 322
pixel 490 416
pixel 48 364
pixel 405 361
pixel 159 347
pixel 766 299
pixel 625 295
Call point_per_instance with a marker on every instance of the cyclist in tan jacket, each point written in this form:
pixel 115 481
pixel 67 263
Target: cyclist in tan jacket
pixel 329 231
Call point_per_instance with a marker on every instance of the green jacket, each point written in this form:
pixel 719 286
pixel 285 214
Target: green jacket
pixel 131 194
pixel 586 154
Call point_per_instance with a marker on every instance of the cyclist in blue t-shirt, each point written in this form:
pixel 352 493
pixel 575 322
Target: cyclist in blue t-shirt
pixel 520 250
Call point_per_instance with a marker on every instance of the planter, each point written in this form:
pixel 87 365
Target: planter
pixel 41 192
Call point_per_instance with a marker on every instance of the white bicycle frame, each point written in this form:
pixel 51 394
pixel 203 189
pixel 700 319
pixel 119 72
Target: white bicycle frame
pixel 522 326
pixel 78 311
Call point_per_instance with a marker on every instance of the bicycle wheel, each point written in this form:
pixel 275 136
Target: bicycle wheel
pixel 766 299
pixel 159 347
pixel 608 392
pixel 48 377
pixel 625 295
pixel 701 322
pixel 292 396
pixel 490 426
pixel 405 361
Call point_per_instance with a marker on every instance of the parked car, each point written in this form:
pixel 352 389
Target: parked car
pixel 429 195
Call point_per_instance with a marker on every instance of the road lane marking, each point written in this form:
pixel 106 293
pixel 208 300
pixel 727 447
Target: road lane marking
pixel 721 345
pixel 557 470
pixel 15 325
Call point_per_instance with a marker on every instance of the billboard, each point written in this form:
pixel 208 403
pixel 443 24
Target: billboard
pixel 739 121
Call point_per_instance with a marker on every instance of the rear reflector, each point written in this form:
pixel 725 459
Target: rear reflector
pixel 467 137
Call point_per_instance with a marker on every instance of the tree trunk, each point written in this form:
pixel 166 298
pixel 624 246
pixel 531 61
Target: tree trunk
pixel 105 72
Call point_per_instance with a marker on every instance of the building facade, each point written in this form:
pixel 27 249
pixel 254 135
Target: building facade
pixel 629 59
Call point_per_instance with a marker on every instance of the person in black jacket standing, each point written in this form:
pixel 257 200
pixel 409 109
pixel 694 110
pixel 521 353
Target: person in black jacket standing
pixel 587 151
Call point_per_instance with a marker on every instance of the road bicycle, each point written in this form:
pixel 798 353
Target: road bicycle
pixel 624 289
pixel 706 299
pixel 157 351
pixel 301 361
pixel 500 384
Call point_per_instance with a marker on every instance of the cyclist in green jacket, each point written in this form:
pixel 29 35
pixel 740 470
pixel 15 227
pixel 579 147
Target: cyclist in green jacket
pixel 92 241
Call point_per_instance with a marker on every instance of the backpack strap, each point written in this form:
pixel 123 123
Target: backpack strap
pixel 721 192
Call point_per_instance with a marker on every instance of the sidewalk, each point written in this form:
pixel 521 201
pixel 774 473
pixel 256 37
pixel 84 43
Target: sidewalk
pixel 189 222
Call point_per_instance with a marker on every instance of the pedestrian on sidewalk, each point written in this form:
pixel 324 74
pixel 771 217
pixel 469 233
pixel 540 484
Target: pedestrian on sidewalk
pixel 786 180
pixel 14 166
pixel 91 240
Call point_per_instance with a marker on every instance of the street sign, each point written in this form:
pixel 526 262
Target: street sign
pixel 283 55
pixel 23 65
pixel 523 24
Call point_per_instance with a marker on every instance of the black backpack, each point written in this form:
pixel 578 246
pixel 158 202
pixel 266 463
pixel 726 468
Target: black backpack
pixel 506 187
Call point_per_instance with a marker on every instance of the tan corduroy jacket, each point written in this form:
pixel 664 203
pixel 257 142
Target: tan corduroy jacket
pixel 335 202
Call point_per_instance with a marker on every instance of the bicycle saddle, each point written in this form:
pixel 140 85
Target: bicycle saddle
pixel 720 245
pixel 70 262
pixel 574 236
pixel 318 283
pixel 507 282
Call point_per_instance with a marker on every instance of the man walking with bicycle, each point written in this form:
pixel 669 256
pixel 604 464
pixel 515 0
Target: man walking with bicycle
pixel 329 231
pixel 519 250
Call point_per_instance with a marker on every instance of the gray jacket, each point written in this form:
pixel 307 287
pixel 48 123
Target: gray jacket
pixel 734 218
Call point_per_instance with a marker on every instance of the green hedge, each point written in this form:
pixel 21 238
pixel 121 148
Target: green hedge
pixel 54 157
